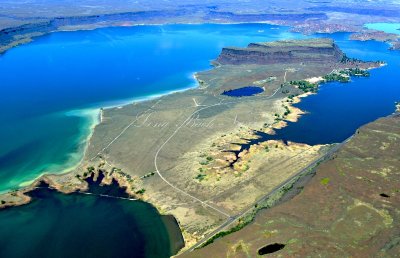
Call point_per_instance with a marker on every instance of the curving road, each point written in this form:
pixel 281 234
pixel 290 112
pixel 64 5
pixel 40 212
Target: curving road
pixel 168 139
pixel 173 134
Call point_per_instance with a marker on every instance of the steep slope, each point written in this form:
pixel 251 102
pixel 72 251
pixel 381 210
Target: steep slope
pixel 286 51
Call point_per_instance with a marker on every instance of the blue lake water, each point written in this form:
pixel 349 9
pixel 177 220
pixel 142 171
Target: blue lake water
pixel 338 109
pixel 77 225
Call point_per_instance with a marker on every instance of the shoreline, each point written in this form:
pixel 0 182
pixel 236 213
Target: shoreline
pixel 97 118
pixel 92 117
pixel 30 185
pixel 90 27
pixel 119 24
pixel 188 240
pixel 172 227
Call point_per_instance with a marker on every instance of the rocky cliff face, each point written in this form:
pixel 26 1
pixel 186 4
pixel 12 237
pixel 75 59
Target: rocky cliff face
pixel 289 51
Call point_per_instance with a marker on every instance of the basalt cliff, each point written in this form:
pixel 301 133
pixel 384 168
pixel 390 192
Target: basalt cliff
pixel 285 51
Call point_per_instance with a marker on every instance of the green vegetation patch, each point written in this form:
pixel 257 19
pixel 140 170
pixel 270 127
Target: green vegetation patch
pixel 336 77
pixel 200 177
pixel 344 75
pixel 148 175
pixel 305 85
pixel 238 227
pixel 141 191
pixel 245 167
pixel 325 181
pixel 287 111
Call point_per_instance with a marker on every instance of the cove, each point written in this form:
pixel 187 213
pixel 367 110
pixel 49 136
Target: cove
pixel 81 225
pixel 339 109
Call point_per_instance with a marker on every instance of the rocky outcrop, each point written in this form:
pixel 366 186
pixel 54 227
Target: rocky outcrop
pixel 395 45
pixel 374 35
pixel 288 51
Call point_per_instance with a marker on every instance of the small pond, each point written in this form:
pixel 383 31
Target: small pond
pixel 243 92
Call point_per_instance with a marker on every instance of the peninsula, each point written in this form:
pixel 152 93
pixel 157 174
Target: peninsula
pixel 198 154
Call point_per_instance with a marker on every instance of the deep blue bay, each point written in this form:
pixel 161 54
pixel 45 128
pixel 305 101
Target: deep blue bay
pixel 77 225
pixel 52 88
pixel 338 109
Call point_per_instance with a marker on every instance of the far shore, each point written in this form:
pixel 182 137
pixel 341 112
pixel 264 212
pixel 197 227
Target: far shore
pixel 88 27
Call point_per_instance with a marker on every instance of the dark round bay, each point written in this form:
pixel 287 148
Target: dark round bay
pixel 80 225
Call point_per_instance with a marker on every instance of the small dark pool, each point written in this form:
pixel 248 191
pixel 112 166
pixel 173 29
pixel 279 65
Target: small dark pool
pixel 268 249
pixel 244 91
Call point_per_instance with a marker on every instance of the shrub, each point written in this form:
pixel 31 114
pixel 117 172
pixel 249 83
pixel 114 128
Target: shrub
pixel 141 191
pixel 200 177
pixel 325 181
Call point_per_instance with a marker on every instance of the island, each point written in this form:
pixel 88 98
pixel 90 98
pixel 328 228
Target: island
pixel 392 39
pixel 204 156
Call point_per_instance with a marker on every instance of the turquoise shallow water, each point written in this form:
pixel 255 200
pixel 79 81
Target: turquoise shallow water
pixel 42 82
pixel 386 27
